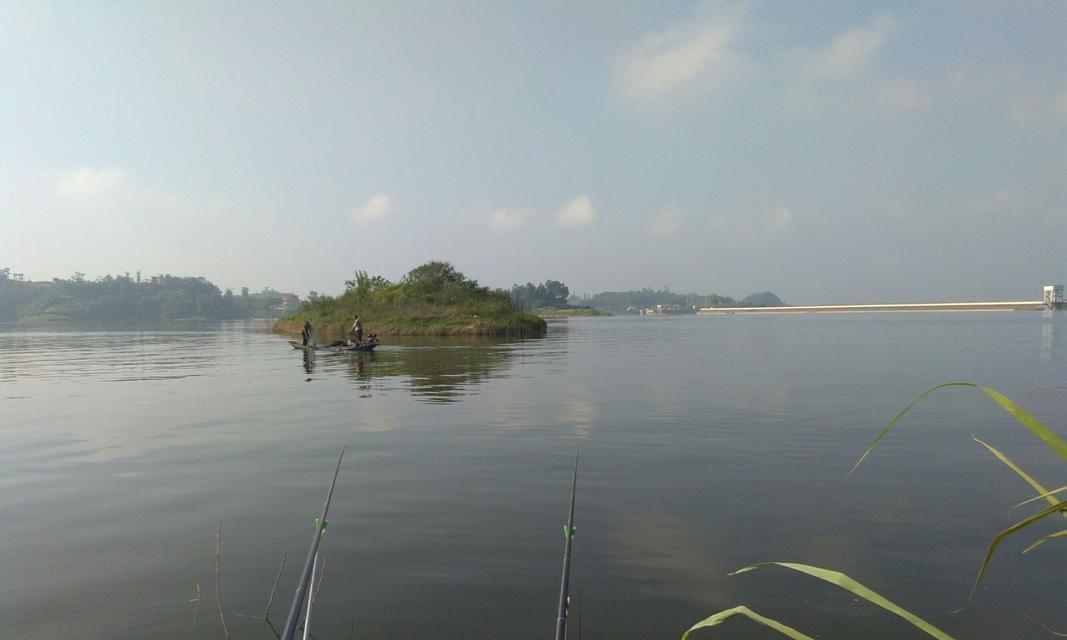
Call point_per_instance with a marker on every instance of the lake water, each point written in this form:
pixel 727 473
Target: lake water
pixel 707 443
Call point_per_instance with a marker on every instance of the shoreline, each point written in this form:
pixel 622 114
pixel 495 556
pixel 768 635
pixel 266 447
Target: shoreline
pixel 475 328
pixel 1028 305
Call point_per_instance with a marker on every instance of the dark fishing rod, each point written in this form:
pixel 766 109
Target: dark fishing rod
pixel 305 577
pixel 564 587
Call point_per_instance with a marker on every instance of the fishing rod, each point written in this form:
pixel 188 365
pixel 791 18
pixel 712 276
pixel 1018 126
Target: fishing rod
pixel 306 576
pixel 564 587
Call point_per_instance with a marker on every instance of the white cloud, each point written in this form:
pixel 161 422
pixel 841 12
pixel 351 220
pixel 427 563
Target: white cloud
pixel 90 183
pixel 900 94
pixel 850 53
pixel 998 201
pixel 779 219
pixel 962 84
pixel 378 206
pixel 665 224
pixel 752 223
pixel 105 219
pixel 828 78
pixel 1058 108
pixel 696 56
pixel 1033 107
pixel 506 220
pixel 579 212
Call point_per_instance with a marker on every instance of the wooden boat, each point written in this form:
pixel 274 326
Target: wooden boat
pixel 339 346
pixel 305 347
pixel 346 348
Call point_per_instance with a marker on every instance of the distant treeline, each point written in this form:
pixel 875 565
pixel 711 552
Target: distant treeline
pixel 552 294
pixel 548 294
pixel 125 298
pixel 631 301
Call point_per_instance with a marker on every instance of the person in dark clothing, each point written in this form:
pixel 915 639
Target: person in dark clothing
pixel 307 333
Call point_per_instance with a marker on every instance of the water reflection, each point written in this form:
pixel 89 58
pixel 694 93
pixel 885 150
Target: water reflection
pixel 665 558
pixel 116 356
pixel 430 370
pixel 1047 335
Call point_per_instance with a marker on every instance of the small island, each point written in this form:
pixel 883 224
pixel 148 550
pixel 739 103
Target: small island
pixel 433 299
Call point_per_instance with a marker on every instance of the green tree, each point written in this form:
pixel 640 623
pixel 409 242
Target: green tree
pixel 434 274
pixel 556 293
pixel 364 285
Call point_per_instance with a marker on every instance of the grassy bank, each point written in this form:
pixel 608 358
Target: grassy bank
pixel 431 300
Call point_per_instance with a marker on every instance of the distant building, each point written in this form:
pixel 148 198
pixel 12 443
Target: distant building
pixel 290 302
pixel 1053 297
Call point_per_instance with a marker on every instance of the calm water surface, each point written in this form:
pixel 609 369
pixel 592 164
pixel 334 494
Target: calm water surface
pixel 707 443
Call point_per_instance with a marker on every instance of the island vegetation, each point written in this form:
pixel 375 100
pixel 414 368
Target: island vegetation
pixel 126 298
pixel 433 299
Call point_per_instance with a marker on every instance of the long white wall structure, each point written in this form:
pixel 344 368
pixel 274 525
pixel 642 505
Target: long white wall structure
pixel 1027 305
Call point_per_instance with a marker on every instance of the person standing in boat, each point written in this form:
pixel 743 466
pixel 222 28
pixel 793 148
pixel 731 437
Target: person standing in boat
pixel 357 330
pixel 308 333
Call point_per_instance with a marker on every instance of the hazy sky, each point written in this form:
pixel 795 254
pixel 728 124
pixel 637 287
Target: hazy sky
pixel 829 152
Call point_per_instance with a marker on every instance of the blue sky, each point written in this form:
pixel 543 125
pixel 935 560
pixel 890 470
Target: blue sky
pixel 830 152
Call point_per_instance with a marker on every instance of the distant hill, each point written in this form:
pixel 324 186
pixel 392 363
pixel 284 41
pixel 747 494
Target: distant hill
pixel 762 299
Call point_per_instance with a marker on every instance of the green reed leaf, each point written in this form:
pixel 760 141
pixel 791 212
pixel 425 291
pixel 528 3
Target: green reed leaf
pixel 1041 491
pixel 1018 526
pixel 1041 496
pixel 1058 534
pixel 1046 435
pixel 1058 634
pixel 841 580
pixel 742 610
pixel 1038 428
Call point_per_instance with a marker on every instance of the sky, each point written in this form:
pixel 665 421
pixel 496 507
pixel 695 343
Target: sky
pixel 829 152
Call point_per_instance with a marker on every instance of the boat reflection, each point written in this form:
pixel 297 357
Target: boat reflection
pixel 432 370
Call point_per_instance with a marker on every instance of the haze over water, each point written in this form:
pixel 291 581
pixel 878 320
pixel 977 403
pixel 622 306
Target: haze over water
pixel 707 443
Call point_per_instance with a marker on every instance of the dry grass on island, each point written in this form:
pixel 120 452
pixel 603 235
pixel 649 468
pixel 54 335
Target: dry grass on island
pixel 433 299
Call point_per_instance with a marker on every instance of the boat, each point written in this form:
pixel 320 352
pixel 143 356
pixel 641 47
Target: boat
pixel 339 346
pixel 306 347
pixel 347 348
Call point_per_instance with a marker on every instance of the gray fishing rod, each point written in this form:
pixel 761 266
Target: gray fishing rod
pixel 564 587
pixel 304 585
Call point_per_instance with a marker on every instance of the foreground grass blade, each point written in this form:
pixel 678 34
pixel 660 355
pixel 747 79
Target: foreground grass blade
pixel 1041 491
pixel 1058 634
pixel 1046 435
pixel 1038 428
pixel 1058 534
pixel 1018 526
pixel 721 616
pixel 841 580
pixel 1041 497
